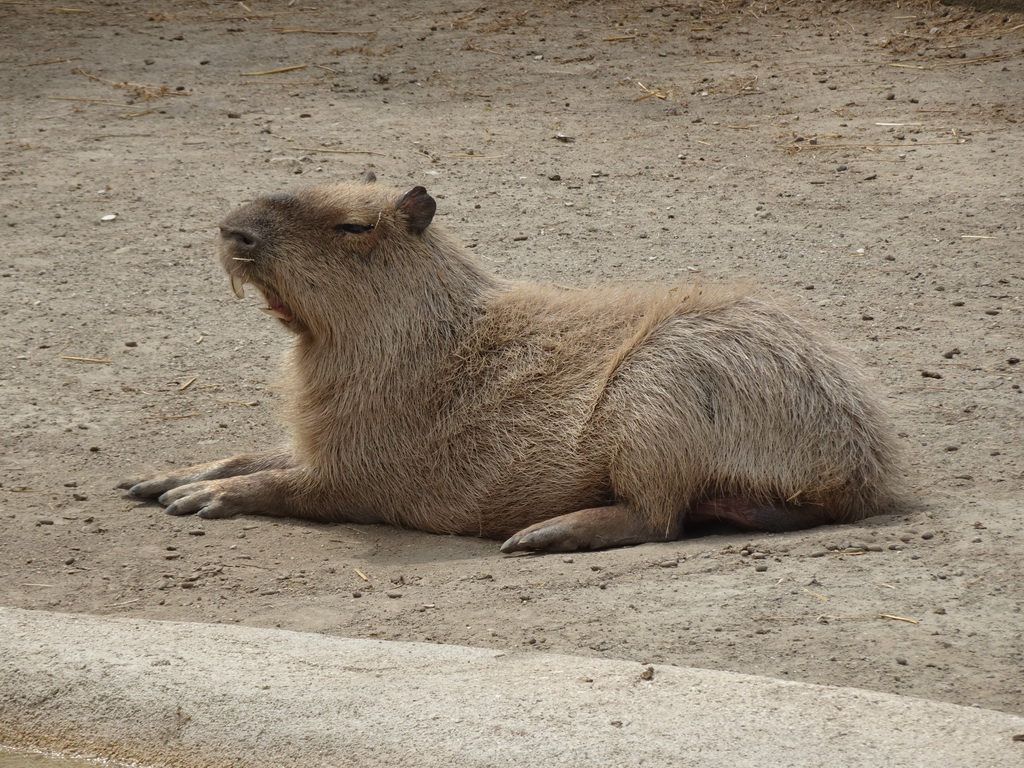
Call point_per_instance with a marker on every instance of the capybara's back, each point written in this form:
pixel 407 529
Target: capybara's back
pixel 752 417
pixel 428 393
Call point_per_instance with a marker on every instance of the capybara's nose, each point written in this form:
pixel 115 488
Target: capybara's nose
pixel 242 239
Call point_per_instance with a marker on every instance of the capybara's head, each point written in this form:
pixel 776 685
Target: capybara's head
pixel 312 252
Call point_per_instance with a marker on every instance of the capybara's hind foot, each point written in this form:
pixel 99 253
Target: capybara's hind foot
pixel 750 515
pixel 596 528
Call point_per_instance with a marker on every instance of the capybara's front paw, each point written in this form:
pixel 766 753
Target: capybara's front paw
pixel 209 499
pixel 156 484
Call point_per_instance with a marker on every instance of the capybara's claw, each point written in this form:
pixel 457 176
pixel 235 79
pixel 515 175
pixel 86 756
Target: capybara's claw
pixel 151 486
pixel 134 487
pixel 208 510
pixel 543 537
pixel 147 489
pixel 512 544
pixel 206 500
pixel 178 510
pixel 174 503
pixel 216 510
pixel 616 525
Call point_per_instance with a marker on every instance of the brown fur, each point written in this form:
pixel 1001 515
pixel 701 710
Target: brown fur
pixel 427 393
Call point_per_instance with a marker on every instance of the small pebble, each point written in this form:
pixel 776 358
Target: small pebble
pixel 393 593
pixel 761 567
pixel 901 661
pixel 928 535
pixel 197 532
pixel 357 593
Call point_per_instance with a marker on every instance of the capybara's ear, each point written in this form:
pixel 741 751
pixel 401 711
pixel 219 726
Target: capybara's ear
pixel 418 208
pixel 368 178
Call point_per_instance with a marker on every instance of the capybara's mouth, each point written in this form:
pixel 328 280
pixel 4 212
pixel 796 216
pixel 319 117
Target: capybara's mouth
pixel 275 309
pixel 275 306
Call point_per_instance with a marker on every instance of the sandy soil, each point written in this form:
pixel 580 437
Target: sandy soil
pixel 864 159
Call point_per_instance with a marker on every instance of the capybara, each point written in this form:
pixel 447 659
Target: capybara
pixel 425 392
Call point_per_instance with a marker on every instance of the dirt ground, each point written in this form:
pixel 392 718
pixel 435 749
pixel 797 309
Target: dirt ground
pixel 863 159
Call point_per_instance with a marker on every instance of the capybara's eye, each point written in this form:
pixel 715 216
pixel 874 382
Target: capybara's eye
pixel 353 229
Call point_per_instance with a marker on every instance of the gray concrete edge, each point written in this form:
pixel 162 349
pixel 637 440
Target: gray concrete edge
pixel 197 695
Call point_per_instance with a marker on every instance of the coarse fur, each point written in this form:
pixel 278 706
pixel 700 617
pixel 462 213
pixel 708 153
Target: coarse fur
pixel 426 392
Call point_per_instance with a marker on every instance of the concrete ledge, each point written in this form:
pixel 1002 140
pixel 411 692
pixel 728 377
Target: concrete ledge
pixel 171 694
